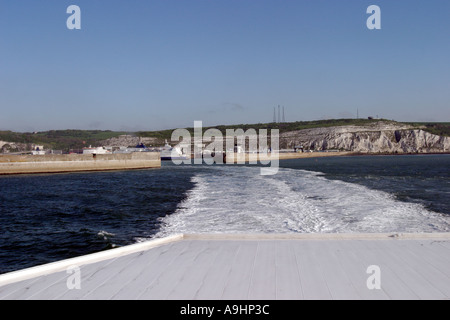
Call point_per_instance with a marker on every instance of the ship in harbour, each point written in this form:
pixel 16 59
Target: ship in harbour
pixel 172 153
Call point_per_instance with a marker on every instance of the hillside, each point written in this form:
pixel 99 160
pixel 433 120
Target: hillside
pixel 283 127
pixel 437 128
pixel 361 135
pixel 55 139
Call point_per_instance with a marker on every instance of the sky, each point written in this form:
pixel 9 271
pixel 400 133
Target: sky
pixel 163 64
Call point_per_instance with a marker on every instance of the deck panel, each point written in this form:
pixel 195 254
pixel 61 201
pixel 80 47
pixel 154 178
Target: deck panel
pixel 216 277
pixel 288 282
pixel 239 277
pixel 263 277
pixel 314 284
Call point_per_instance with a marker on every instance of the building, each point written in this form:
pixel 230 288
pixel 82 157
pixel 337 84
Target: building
pixel 96 150
pixel 37 150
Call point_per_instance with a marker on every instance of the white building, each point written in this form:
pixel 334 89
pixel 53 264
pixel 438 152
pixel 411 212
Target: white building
pixel 37 150
pixel 96 150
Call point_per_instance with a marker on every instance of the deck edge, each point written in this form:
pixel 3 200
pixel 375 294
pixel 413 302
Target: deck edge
pixel 318 236
pixel 45 269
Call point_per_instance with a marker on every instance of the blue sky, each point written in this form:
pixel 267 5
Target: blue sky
pixel 161 64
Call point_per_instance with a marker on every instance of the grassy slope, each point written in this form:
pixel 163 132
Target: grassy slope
pixel 437 128
pixel 283 127
pixel 60 139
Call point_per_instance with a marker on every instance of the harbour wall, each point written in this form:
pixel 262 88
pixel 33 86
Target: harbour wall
pixel 255 157
pixel 25 164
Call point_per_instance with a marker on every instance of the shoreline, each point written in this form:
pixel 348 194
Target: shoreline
pixel 323 154
pixel 355 154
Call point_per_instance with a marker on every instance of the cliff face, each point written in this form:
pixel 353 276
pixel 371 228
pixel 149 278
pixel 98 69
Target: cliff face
pixel 6 147
pixel 380 137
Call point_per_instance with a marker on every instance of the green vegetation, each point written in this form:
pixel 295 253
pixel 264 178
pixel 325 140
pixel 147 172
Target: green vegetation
pixel 283 127
pixel 60 139
pixel 437 128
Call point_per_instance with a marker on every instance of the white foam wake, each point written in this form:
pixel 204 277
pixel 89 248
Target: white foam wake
pixel 240 200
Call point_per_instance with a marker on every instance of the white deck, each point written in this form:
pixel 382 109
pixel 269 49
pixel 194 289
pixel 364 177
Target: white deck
pixel 249 267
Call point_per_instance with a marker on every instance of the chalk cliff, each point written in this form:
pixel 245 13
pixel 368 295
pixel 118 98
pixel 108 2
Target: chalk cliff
pixel 6 147
pixel 375 138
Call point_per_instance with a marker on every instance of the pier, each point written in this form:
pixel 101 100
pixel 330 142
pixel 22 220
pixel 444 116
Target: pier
pixel 255 157
pixel 27 164
pixel 248 267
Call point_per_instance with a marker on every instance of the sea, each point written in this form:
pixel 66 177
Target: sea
pixel 50 217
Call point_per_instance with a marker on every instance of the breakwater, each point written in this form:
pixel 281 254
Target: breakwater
pixel 26 164
pixel 255 157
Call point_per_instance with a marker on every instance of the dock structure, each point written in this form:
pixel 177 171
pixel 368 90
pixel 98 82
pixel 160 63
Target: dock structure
pixel 29 164
pixel 248 267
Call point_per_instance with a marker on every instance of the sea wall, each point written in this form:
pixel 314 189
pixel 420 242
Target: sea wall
pixel 19 164
pixel 251 158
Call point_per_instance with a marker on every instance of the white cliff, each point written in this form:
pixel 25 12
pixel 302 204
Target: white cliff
pixel 378 137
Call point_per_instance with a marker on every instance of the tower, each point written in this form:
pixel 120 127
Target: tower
pixel 279 116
